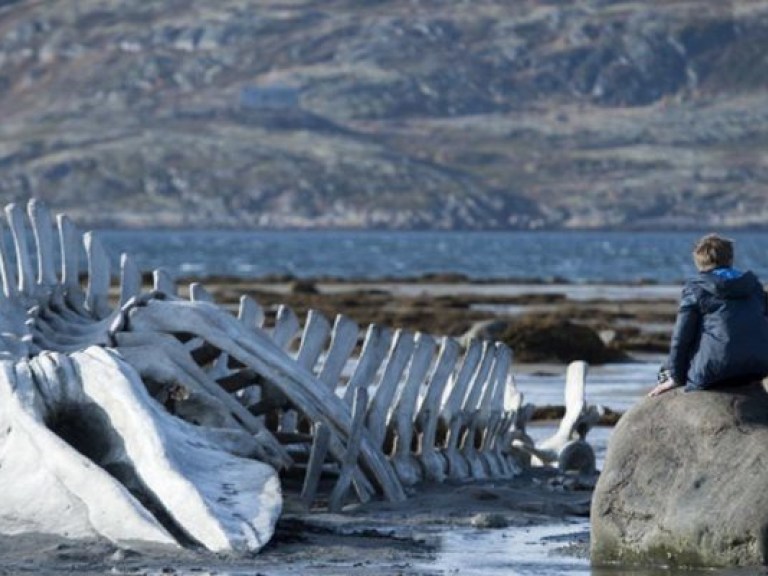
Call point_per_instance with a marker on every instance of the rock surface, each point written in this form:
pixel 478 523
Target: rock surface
pixel 540 338
pixel 684 482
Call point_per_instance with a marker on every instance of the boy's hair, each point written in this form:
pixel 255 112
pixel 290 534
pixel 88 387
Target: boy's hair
pixel 713 251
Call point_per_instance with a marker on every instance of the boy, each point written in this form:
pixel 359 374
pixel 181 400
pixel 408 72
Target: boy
pixel 721 332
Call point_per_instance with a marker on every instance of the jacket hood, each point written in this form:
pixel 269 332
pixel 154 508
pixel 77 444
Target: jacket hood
pixel 729 287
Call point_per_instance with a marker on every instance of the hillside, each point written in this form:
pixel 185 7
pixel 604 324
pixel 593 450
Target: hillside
pixel 387 113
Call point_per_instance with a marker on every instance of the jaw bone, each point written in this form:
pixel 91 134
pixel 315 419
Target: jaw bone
pixel 50 487
pixel 147 460
pixel 85 450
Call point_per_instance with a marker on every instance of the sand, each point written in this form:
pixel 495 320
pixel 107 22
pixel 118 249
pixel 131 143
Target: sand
pixel 379 537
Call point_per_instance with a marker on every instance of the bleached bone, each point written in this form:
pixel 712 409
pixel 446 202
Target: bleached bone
pixel 10 284
pixel 375 346
pixel 97 292
pixel 198 293
pixel 489 415
pixel 42 228
pixel 514 418
pixel 257 350
pixel 343 340
pixel 163 283
pixel 431 460
pixel 564 448
pixel 374 349
pixel 69 240
pixel 286 330
pixel 473 407
pixel 405 463
pixel 250 313
pixel 450 417
pixel 515 442
pixel 26 278
pixel 349 463
pixel 175 461
pixel 164 383
pixel 161 358
pixel 286 327
pixel 458 466
pixel 80 500
pixel 130 279
pixel 316 332
pixel 394 366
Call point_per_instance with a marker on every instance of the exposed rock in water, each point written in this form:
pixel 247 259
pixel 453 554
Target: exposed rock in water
pixel 541 339
pixel 684 482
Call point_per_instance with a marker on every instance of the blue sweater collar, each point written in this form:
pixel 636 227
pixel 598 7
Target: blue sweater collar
pixel 726 273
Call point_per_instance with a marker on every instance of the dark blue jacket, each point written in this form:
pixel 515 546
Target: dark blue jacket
pixel 721 332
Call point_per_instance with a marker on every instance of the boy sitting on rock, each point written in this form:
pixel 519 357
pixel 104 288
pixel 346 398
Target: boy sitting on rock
pixel 721 332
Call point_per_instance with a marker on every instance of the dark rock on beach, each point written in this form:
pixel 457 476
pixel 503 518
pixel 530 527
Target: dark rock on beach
pixel 684 482
pixel 536 338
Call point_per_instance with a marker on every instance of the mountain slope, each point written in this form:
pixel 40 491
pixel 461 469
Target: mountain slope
pixel 483 114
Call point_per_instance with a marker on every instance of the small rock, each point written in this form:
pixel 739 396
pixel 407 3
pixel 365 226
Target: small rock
pixel 489 520
pixel 303 287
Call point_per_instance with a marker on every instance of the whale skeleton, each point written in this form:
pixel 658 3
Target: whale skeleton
pixel 143 416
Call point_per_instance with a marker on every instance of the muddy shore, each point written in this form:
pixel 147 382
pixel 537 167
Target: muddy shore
pixel 379 537
pixel 627 318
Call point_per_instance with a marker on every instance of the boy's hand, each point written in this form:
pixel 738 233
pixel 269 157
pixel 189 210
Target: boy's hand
pixel 662 387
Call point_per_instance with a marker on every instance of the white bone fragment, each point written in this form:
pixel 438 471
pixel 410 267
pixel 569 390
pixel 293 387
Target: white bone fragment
pixel 81 500
pixel 99 276
pixel 405 463
pixel 15 216
pixel 313 339
pixel 10 283
pixel 42 227
pixel 257 350
pixel 458 466
pixel 286 327
pixel 198 293
pixel 432 461
pixel 394 366
pixel 130 279
pixel 163 282
pixel 182 469
pixel 349 462
pixel 251 314
pixel 70 242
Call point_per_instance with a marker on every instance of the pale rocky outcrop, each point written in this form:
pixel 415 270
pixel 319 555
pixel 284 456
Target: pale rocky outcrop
pixel 684 482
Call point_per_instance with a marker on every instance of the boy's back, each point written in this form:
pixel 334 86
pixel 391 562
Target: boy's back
pixel 733 328
pixel 721 331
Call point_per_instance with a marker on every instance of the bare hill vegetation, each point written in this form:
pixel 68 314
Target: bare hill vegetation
pixel 474 114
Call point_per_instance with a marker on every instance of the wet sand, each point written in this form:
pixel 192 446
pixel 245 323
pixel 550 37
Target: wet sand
pixel 379 537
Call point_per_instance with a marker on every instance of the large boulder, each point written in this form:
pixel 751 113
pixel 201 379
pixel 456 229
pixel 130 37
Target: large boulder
pixel 684 482
pixel 543 338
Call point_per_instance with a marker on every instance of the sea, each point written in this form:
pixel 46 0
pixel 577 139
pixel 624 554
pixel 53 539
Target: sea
pixel 548 256
pixel 572 257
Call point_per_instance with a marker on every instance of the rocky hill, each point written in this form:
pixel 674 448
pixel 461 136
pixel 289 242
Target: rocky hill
pixel 387 113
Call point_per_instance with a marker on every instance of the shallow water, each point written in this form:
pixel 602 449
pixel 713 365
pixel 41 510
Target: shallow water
pixel 575 256
pixel 512 552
